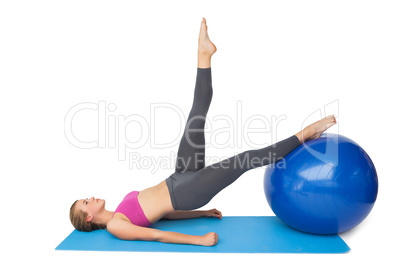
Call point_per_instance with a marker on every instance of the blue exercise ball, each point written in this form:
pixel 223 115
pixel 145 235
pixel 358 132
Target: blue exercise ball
pixel 324 186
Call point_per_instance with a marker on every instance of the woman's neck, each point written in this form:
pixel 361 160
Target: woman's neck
pixel 104 217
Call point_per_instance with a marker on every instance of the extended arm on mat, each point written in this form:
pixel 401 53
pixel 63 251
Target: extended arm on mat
pixel 191 214
pixel 127 231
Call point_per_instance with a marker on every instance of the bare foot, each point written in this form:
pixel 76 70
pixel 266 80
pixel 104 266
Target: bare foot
pixel 315 130
pixel 205 46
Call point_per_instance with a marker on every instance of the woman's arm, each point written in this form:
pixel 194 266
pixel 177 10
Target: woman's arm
pixel 127 231
pixel 184 214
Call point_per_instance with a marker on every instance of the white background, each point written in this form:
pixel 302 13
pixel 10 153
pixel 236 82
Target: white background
pixel 289 58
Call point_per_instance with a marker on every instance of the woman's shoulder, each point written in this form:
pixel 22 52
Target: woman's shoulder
pixel 119 216
pixel 116 221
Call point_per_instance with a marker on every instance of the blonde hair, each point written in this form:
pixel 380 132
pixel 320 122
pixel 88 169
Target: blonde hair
pixel 78 220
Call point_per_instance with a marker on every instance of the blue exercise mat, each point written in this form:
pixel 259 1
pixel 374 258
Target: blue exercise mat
pixel 236 235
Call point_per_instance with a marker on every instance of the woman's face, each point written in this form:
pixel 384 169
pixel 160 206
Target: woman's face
pixel 92 206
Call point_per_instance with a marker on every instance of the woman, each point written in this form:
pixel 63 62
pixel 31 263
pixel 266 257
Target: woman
pixel 192 185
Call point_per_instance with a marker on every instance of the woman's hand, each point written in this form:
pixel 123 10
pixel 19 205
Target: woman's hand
pixel 213 213
pixel 210 239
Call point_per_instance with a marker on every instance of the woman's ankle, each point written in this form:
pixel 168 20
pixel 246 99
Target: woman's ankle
pixel 305 134
pixel 204 61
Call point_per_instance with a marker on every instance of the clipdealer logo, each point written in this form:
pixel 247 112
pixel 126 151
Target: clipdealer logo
pixel 112 131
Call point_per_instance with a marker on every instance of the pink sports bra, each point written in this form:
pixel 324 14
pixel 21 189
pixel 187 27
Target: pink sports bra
pixel 131 208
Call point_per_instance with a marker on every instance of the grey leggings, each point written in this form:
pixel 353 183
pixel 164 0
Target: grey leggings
pixel 193 185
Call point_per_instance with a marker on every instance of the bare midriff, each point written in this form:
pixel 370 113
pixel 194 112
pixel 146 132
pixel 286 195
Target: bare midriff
pixel 155 202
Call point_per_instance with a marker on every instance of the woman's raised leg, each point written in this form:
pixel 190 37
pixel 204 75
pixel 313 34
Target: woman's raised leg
pixel 191 152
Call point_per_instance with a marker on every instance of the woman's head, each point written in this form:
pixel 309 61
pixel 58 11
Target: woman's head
pixel 84 211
